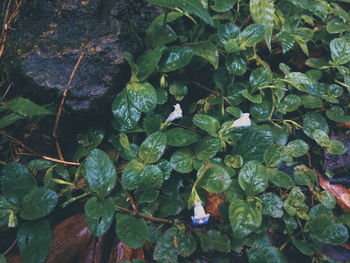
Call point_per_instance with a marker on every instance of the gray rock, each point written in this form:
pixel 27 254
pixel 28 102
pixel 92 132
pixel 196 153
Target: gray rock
pixel 50 36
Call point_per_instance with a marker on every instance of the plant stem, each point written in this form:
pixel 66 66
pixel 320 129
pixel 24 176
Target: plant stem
pixel 155 219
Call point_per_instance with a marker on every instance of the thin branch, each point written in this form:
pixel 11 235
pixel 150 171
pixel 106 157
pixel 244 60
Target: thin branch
pixel 8 20
pixel 155 219
pixel 10 248
pixel 32 153
pixel 64 97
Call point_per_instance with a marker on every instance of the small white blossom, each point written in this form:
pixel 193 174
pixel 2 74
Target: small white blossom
pixel 243 121
pixel 200 217
pixel 176 114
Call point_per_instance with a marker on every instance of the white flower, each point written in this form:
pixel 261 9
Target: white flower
pixel 200 217
pixel 243 121
pixel 176 114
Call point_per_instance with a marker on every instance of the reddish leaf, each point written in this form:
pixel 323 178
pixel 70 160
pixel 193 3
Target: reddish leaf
pixel 122 252
pixel 69 239
pixel 212 206
pixel 340 192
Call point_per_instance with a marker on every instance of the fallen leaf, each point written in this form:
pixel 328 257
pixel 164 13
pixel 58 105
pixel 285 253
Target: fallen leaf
pixel 121 252
pixel 212 205
pixel 340 192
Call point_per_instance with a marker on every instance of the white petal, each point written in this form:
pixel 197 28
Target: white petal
pixel 176 114
pixel 243 121
pixel 199 210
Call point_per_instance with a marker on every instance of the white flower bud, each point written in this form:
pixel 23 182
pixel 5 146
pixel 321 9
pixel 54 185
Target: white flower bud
pixel 176 114
pixel 200 217
pixel 243 121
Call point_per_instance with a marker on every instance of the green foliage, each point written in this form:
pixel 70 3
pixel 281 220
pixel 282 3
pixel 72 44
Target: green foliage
pixel 221 60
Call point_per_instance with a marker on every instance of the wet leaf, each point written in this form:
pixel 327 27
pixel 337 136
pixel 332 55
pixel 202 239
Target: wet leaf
pixel 182 160
pixel 142 96
pixel 297 148
pixel 34 240
pixel 16 181
pixel 181 137
pixel 206 50
pixel 131 230
pixel 272 205
pixel 216 179
pixel 38 203
pixel 206 123
pixel 251 35
pixel 206 148
pixel 100 172
pixel 99 214
pixel 265 255
pixel 176 58
pixel 244 217
pixel 340 50
pixel 132 174
pixel 27 108
pixel 153 147
pixel 223 5
pixel 253 178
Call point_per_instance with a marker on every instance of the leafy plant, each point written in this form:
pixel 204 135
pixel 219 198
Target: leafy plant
pixel 219 60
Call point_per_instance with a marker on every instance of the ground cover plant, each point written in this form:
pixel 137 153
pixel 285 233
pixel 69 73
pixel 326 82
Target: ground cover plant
pixel 222 147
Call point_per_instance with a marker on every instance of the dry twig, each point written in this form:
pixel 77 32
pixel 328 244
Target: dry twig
pixel 32 153
pixel 9 18
pixel 64 97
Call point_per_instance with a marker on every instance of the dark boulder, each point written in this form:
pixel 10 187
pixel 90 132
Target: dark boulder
pixel 49 37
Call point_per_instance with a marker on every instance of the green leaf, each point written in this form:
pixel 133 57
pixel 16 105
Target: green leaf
pixel 303 246
pixel 16 181
pixel 321 138
pixel 337 25
pixel 251 35
pixel 164 250
pixel 124 112
pixel 340 51
pixel 289 103
pixel 337 114
pixel 216 179
pixel 280 178
pixel 34 240
pixel 142 96
pixel 260 77
pixel 272 205
pixel 297 148
pixel 27 108
pixel 236 64
pixel 125 149
pixel 175 58
pixel 294 204
pixel 207 148
pixel 214 240
pixel 100 172
pixel 182 160
pixel 150 181
pixel 131 230
pixel 261 112
pixel 206 123
pixel 153 147
pixel 132 174
pixel 159 35
pixel 99 214
pixel 325 230
pixel 311 102
pixel 265 255
pixel 147 63
pixel 252 98
pixel 286 40
pixel 253 178
pixel 39 164
pixel 38 203
pixel 5 210
pixel 336 147
pixel 88 141
pixel 178 89
pixel 275 154
pixel 206 50
pixel 244 218
pixel 152 123
pixel 227 32
pixel 9 119
pixel 317 63
pixel 304 175
pixel 234 161
pixel 314 121
pixel 223 5
pixel 253 143
pixel 181 137
pixel 2 259
pixel 263 12
pixel 189 6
